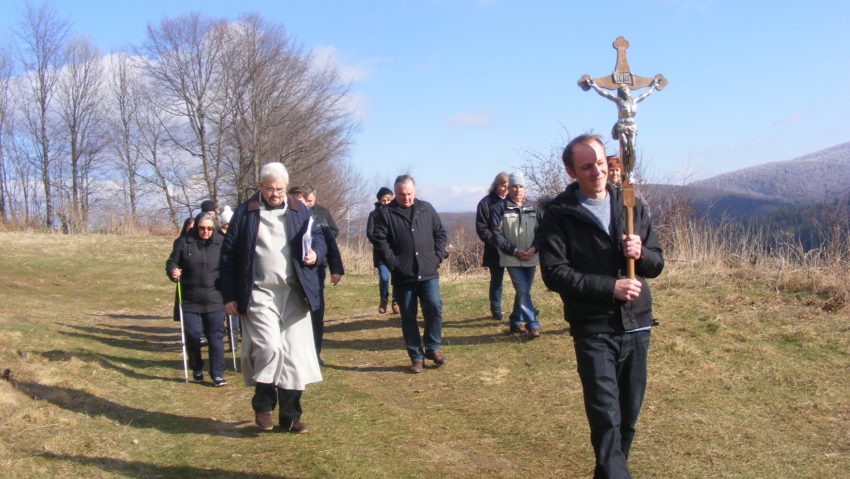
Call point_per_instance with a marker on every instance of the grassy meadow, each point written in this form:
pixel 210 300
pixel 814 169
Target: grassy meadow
pixel 748 379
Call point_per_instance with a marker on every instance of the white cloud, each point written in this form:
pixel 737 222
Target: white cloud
pixel 359 105
pixel 469 119
pixel 451 197
pixel 328 55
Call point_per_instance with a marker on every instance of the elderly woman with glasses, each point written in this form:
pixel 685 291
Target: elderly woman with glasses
pixel 194 261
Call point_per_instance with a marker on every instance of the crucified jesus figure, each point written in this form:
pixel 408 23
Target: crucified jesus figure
pixel 625 129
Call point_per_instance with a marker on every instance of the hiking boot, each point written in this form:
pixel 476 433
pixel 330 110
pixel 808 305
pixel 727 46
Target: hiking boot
pixel 219 382
pixel 520 328
pixel 416 367
pixel 197 376
pixel 438 358
pixel 534 333
pixel 395 308
pixel 382 308
pixel 264 420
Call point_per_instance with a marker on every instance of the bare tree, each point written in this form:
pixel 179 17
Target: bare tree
pixel 80 112
pixel 42 36
pixel 184 63
pixel 5 122
pixel 544 173
pixel 284 109
pixel 123 125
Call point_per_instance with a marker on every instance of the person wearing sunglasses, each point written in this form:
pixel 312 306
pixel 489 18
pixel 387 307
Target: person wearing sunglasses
pixel 194 262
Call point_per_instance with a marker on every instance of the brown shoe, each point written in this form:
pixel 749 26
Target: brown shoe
pixel 519 329
pixel 534 333
pixel 395 308
pixel 438 358
pixel 264 420
pixel 296 427
pixel 382 308
pixel 416 367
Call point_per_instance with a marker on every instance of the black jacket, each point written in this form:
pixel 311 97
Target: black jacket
pixel 323 218
pixel 237 252
pixel 370 232
pixel 411 248
pixel 199 261
pixel 482 227
pixel 582 262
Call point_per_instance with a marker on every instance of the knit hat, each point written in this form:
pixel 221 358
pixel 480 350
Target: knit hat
pixel 516 178
pixel 226 215
pixel 384 191
pixel 209 205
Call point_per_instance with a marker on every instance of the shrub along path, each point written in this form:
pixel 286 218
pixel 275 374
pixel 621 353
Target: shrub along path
pixel 746 380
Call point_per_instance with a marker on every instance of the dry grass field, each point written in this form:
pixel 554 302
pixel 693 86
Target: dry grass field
pixel 748 379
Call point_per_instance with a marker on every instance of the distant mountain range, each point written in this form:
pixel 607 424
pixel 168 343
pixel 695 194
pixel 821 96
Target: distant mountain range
pixel 819 177
pixel 783 193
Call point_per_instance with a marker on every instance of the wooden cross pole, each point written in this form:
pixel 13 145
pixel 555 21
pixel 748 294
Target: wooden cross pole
pixel 625 130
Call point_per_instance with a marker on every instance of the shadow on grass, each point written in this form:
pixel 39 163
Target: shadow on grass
pixel 142 469
pixel 127 366
pixel 117 331
pixel 368 369
pixel 135 316
pixel 150 329
pixel 472 323
pixel 140 345
pixel 90 405
pixel 363 325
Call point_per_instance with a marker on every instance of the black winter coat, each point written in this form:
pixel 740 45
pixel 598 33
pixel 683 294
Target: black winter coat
pixel 323 218
pixel 370 232
pixel 482 227
pixel 411 248
pixel 237 252
pixel 582 262
pixel 199 262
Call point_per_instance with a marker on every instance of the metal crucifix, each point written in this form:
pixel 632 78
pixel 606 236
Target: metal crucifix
pixel 625 130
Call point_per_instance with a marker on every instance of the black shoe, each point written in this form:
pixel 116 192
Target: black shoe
pixel 197 376
pixel 219 382
pixel 498 316
pixel 202 342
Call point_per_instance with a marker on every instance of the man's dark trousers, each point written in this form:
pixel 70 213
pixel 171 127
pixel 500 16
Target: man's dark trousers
pixel 428 293
pixel 612 368
pixel 317 316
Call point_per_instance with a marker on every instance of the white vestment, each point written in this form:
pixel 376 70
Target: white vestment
pixel 277 334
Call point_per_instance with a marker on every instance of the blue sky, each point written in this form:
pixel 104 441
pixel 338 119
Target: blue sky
pixel 454 91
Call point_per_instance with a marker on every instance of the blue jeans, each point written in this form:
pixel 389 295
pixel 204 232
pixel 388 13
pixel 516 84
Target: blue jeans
pixel 522 278
pixel 497 275
pixel 384 281
pixel 210 325
pixel 612 368
pixel 428 292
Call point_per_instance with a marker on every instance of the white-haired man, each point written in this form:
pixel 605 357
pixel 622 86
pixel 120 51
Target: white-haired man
pixel 268 276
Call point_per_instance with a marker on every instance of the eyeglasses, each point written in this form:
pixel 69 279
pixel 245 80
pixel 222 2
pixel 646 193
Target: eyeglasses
pixel 276 191
pixel 205 228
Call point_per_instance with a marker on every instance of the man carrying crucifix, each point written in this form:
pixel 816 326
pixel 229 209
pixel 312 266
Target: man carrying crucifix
pixel 583 255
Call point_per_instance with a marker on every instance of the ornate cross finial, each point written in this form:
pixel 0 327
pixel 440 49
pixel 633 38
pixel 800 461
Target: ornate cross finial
pixel 622 75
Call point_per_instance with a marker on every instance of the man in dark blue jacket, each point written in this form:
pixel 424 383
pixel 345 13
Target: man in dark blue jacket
pixel 411 241
pixel 583 252
pixel 268 277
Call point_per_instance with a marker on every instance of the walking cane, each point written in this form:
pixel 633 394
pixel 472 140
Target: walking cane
pixel 182 332
pixel 232 341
